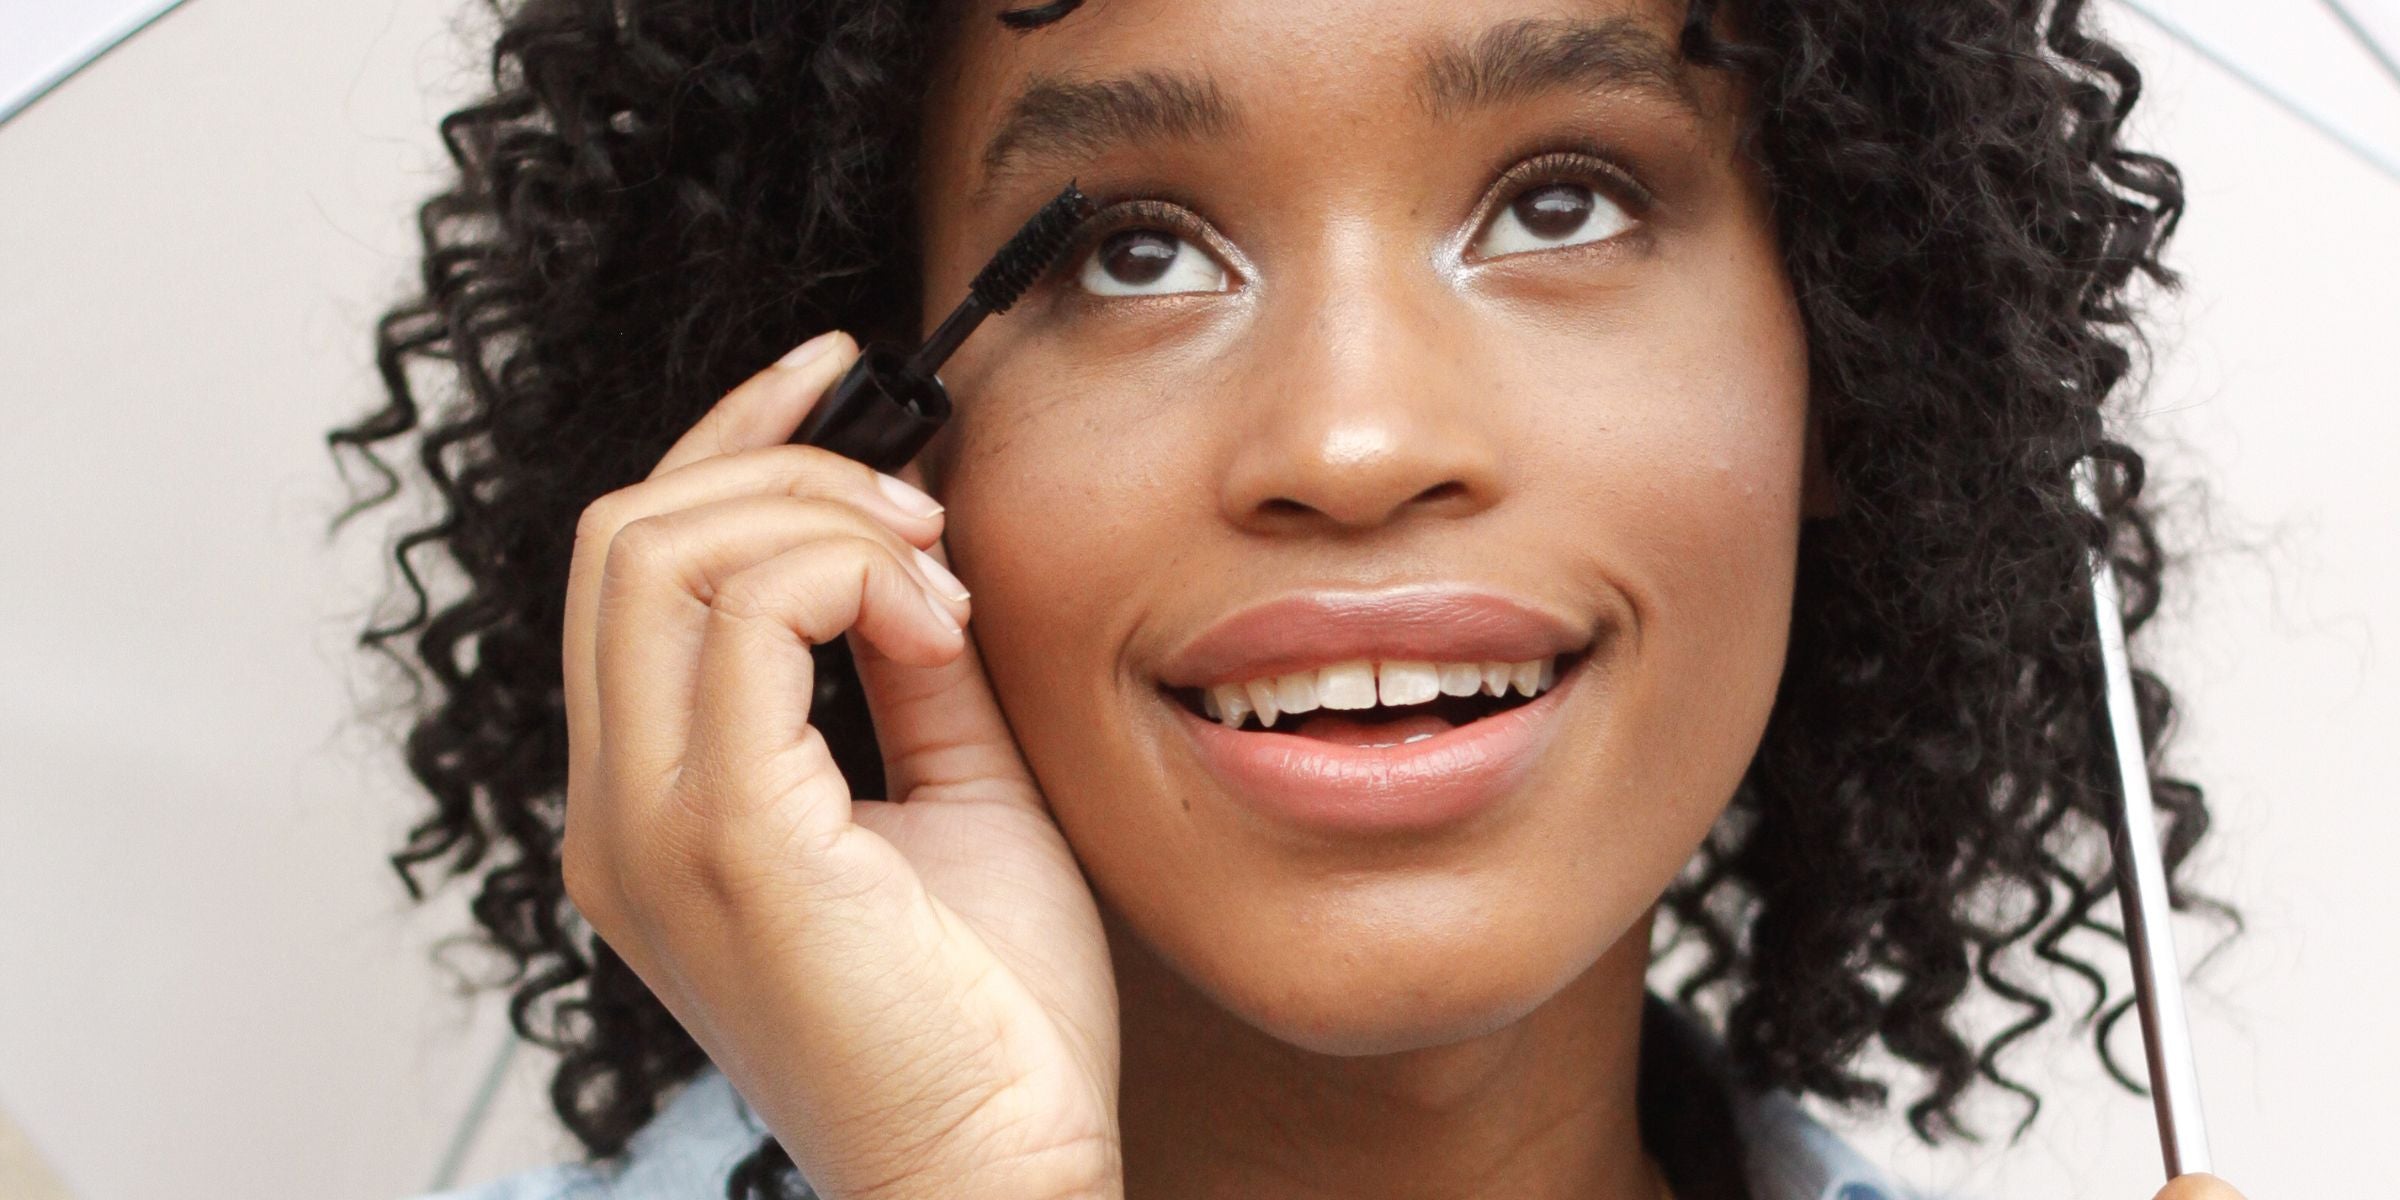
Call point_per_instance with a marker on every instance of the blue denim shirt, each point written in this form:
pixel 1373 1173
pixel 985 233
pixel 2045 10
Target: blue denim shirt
pixel 691 1146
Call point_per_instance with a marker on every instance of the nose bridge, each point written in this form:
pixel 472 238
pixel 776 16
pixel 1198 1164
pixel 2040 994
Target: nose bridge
pixel 1363 406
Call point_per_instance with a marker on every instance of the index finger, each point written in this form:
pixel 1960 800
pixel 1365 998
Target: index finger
pixel 765 408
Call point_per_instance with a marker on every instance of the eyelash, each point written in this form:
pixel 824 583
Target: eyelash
pixel 1573 164
pixel 1576 164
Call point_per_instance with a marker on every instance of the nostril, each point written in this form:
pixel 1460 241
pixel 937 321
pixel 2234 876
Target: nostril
pixel 1442 491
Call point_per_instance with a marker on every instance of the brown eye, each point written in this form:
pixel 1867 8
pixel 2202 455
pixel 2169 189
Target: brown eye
pixel 1550 215
pixel 1141 261
pixel 1554 210
pixel 1137 256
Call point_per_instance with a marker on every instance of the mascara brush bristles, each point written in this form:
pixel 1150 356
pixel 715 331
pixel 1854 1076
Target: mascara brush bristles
pixel 1029 254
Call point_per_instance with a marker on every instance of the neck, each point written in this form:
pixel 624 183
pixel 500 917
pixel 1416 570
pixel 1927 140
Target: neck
pixel 1542 1108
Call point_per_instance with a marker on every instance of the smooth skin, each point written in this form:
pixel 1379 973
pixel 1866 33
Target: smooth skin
pixel 1064 960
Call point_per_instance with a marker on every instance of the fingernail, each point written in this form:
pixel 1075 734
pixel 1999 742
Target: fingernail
pixel 941 577
pixel 808 350
pixel 910 500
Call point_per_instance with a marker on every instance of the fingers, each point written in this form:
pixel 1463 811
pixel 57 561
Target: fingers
pixel 801 472
pixel 939 726
pixel 767 407
pixel 751 741
pixel 739 447
pixel 2199 1187
pixel 755 576
pixel 783 470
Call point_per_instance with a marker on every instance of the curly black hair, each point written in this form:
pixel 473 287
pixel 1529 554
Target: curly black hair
pixel 658 196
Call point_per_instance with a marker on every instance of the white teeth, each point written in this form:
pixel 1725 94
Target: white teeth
pixel 1495 678
pixel 1296 693
pixel 1360 684
pixel 1347 685
pixel 1407 682
pixel 1527 676
pixel 1460 679
pixel 1262 698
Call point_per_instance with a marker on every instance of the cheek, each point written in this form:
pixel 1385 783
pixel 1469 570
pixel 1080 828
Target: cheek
pixel 1060 509
pixel 1686 458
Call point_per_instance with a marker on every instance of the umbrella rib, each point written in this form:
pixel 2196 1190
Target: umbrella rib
pixel 2276 96
pixel 2365 38
pixel 68 70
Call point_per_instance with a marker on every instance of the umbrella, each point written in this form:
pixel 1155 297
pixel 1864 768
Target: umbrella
pixel 2336 68
pixel 47 41
pixel 2334 65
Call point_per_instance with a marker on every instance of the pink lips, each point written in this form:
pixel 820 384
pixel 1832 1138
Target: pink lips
pixel 1350 791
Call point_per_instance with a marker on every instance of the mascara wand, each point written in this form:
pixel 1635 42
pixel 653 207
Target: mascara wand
pixel 887 406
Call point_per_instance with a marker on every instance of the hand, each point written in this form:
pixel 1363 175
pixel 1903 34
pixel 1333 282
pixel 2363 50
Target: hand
pixel 2198 1187
pixel 914 994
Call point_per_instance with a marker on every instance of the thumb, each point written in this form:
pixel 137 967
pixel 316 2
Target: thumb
pixel 2199 1187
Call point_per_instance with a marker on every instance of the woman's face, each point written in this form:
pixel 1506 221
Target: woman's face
pixel 1446 333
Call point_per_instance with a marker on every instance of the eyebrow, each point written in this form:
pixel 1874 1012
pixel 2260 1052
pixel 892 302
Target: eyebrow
pixel 1061 119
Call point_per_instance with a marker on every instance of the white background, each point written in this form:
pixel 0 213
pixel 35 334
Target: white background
pixel 211 986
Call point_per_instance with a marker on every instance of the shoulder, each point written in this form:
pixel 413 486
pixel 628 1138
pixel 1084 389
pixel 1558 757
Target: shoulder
pixel 1690 1084
pixel 691 1147
pixel 1789 1155
pixel 686 1152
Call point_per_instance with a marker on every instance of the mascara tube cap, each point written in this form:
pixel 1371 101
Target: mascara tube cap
pixel 880 413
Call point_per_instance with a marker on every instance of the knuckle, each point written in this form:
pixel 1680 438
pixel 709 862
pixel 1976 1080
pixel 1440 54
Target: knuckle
pixel 750 596
pixel 599 520
pixel 863 553
pixel 642 548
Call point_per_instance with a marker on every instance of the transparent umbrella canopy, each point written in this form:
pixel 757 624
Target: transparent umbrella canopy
pixel 2333 65
pixel 43 43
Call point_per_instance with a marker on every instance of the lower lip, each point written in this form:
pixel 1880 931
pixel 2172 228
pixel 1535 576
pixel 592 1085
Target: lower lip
pixel 1359 791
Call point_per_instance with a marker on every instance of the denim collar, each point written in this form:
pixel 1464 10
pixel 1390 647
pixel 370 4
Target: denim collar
pixel 687 1151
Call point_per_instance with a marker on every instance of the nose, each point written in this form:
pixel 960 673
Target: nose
pixel 1364 411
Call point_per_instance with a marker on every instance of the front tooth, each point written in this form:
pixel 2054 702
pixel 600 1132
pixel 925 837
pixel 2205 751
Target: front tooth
pixel 1262 698
pixel 1549 673
pixel 1233 702
pixel 1526 675
pixel 1296 693
pixel 1495 678
pixel 1407 682
pixel 1460 679
pixel 1347 685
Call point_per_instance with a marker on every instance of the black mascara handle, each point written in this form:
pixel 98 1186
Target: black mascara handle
pixel 880 413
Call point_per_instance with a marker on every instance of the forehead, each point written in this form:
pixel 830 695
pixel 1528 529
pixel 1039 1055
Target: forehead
pixel 1147 72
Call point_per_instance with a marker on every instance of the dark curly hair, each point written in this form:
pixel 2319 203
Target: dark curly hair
pixel 658 196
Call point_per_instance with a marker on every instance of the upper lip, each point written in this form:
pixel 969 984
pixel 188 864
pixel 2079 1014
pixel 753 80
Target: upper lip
pixel 1417 624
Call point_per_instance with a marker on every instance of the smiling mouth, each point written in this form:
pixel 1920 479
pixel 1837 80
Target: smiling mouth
pixel 1383 723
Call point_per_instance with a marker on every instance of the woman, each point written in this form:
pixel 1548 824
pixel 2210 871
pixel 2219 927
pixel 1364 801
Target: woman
pixel 1705 379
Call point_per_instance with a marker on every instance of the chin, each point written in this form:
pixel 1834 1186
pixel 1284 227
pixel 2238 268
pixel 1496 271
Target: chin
pixel 1398 985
